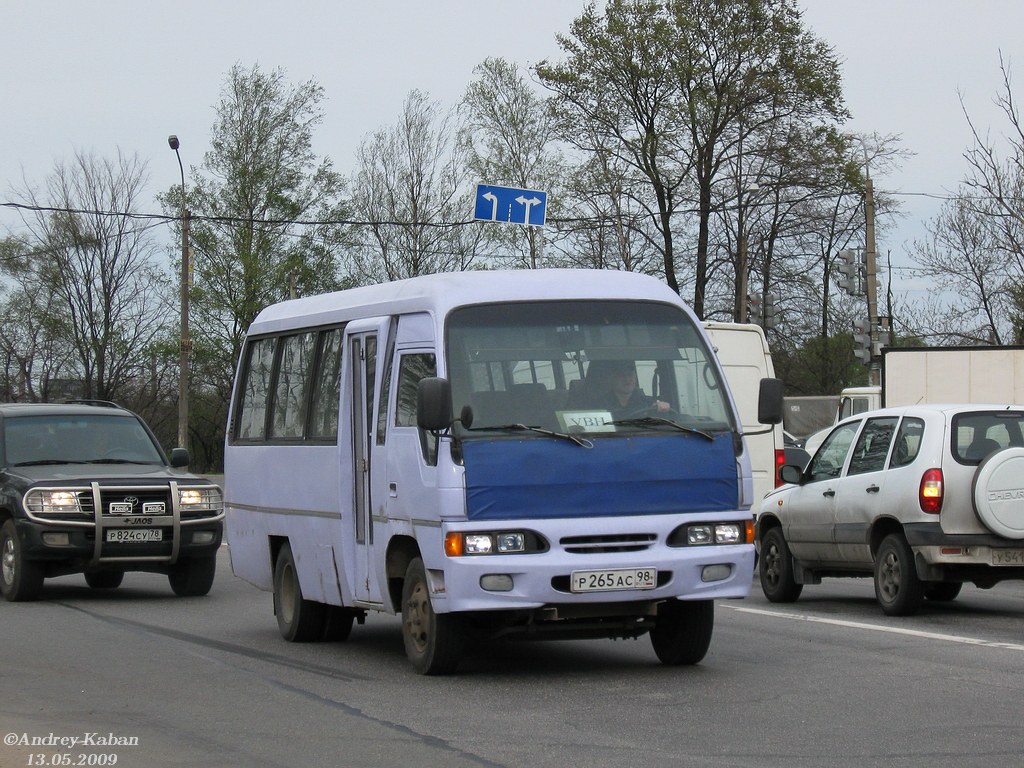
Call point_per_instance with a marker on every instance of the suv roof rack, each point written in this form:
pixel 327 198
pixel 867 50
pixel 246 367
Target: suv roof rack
pixel 100 403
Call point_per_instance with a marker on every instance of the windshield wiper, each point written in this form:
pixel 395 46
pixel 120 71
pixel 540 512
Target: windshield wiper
pixel 649 421
pixel 580 441
pixel 115 461
pixel 42 462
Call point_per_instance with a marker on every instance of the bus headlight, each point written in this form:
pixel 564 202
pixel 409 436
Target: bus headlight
pixel 477 544
pixel 728 534
pixel 701 534
pixel 511 542
pixel 460 543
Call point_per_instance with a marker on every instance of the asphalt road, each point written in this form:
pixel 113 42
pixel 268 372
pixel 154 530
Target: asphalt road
pixel 826 681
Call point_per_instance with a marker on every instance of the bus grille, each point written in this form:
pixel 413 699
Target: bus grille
pixel 626 542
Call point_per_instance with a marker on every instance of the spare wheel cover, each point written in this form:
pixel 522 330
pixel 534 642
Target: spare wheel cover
pixel 999 493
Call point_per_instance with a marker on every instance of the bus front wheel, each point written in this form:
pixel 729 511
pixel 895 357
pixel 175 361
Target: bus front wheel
pixel 682 631
pixel 433 641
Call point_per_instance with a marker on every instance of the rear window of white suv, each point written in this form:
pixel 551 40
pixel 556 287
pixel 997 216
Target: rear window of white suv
pixel 977 434
pixel 908 442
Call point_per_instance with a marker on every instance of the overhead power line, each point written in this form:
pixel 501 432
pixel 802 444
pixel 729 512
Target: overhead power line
pixel 233 220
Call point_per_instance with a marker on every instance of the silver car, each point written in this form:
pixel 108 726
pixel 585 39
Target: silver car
pixel 923 498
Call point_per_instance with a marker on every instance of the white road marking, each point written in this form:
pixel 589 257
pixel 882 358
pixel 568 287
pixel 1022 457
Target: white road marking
pixel 879 628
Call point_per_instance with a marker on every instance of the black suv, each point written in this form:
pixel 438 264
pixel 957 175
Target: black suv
pixel 86 488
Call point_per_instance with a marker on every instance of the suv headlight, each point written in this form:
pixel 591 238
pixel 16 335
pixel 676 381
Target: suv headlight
pixel 46 501
pixel 203 499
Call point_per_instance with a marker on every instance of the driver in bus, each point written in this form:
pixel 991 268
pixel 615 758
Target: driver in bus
pixel 612 385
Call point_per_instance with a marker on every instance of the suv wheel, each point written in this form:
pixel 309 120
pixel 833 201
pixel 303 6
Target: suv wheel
pixel 104 579
pixel 776 569
pixel 897 587
pixel 193 577
pixel 942 591
pixel 20 579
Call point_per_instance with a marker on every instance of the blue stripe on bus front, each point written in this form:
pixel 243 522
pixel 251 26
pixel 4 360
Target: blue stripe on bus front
pixel 547 478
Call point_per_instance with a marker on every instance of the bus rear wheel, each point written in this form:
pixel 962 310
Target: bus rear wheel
pixel 433 642
pixel 298 619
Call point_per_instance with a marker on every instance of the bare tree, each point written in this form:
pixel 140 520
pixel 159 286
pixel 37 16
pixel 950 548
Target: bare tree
pixel 262 205
pixel 617 93
pixel 965 254
pixel 612 228
pixel 976 243
pixel 508 134
pixel 675 87
pixel 34 350
pixel 411 188
pixel 259 180
pixel 91 266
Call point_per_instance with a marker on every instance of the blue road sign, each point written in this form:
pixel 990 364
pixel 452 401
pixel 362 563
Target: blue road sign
pixel 516 206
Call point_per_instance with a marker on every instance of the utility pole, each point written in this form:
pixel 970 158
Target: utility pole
pixel 741 275
pixel 743 255
pixel 870 258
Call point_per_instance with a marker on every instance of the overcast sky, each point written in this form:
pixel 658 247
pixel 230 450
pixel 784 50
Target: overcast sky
pixel 105 75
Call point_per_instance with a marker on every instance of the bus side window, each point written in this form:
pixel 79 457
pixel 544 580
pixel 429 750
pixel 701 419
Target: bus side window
pixel 327 388
pixel 384 402
pixel 293 377
pixel 411 369
pixel 252 423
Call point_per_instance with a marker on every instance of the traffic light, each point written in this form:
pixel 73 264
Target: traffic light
pixel 884 340
pixel 769 312
pixel 848 265
pixel 754 314
pixel 861 341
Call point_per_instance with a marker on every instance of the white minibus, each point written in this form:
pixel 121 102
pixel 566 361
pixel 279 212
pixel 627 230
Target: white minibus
pixel 526 454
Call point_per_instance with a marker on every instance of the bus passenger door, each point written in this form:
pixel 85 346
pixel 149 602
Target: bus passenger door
pixel 363 354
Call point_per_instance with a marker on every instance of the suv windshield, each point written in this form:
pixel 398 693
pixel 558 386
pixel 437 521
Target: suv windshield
pixel 72 439
pixel 594 367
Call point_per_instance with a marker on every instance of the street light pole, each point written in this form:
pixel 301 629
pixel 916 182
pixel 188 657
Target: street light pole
pixel 184 344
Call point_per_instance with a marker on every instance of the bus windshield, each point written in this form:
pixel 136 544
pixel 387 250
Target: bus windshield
pixel 600 368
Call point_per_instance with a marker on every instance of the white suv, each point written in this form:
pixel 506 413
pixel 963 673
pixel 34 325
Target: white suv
pixel 924 498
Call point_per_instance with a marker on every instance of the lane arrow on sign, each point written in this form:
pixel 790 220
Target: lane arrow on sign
pixel 508 204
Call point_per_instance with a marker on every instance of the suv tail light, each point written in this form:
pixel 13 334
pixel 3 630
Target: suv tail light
pixel 929 495
pixel 780 459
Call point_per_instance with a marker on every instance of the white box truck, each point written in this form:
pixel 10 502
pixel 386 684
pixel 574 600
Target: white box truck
pixel 742 349
pixel 913 375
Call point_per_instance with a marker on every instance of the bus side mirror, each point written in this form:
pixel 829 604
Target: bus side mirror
pixel 433 404
pixel 769 401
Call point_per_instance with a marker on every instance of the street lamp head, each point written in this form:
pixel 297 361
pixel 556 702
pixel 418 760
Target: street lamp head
pixel 172 140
